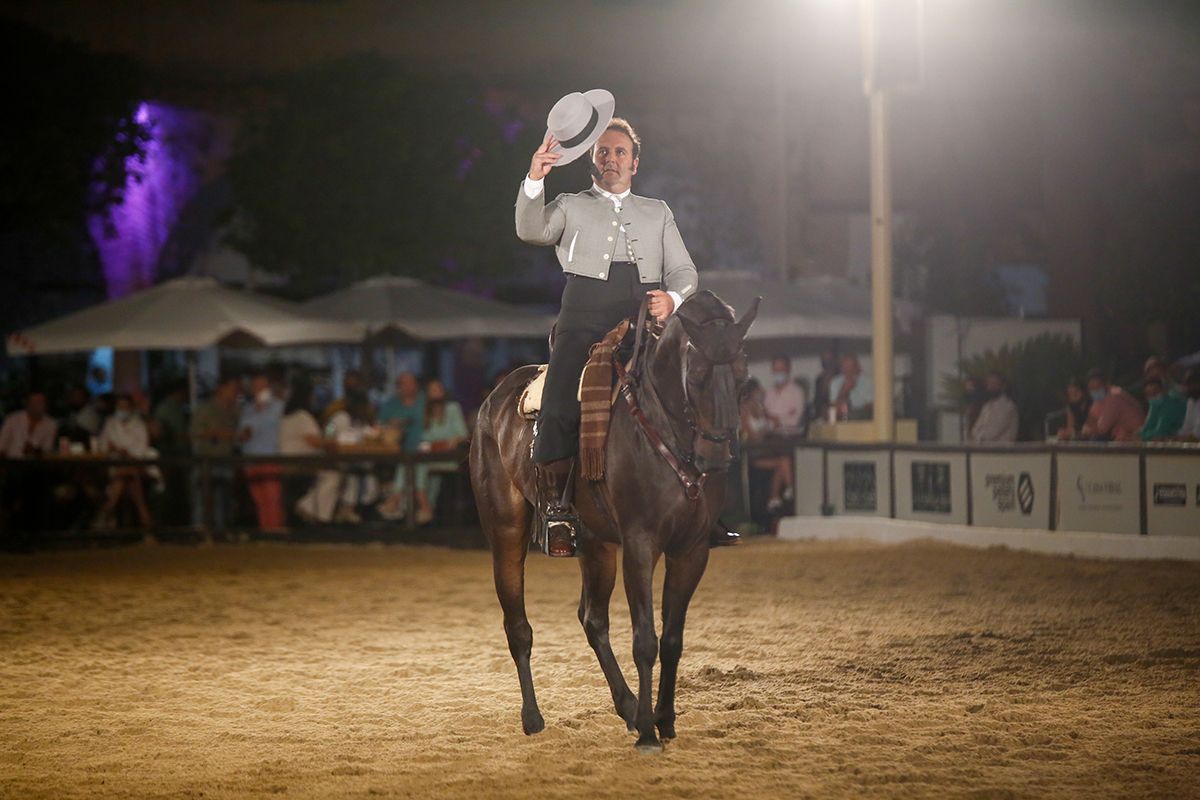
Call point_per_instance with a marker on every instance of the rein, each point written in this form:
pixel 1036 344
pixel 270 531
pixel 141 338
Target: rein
pixel 693 481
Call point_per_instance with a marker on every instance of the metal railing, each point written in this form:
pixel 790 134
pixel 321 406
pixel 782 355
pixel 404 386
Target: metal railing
pixel 34 479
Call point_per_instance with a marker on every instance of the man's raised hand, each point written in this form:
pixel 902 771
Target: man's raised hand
pixel 543 160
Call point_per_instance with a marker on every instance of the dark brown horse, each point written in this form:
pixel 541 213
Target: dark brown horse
pixel 687 396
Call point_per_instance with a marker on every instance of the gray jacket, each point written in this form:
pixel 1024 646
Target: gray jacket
pixel 584 229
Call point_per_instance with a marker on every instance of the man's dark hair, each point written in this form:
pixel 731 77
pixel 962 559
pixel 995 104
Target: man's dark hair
pixel 621 124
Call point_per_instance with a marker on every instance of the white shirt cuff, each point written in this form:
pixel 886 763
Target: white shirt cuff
pixel 678 300
pixel 533 188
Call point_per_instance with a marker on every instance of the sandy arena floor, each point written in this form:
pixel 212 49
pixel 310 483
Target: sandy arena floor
pixel 811 670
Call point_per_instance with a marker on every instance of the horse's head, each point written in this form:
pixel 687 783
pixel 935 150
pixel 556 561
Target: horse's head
pixel 713 370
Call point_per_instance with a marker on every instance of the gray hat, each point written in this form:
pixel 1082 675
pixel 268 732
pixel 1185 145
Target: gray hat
pixel 578 120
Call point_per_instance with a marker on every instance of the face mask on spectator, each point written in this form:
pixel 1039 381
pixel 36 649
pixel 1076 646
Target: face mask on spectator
pixel 263 397
pixel 1098 394
pixel 780 378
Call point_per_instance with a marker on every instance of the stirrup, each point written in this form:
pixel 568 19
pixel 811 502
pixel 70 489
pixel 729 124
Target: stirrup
pixel 557 534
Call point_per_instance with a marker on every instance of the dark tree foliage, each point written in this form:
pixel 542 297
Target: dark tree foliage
pixel 364 165
pixel 71 134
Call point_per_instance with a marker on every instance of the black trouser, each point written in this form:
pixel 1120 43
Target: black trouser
pixel 590 308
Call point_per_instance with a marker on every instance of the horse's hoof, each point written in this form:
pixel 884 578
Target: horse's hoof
pixel 666 730
pixel 649 744
pixel 532 722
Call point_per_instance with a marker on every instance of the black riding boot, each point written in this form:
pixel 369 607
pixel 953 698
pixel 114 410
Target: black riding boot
pixel 556 517
pixel 721 536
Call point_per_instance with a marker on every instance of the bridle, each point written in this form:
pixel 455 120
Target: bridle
pixel 685 468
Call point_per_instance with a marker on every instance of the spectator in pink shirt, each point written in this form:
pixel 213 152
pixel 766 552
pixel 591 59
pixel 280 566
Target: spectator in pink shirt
pixel 1114 416
pixel 785 401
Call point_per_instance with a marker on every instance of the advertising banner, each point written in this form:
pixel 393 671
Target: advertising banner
pixel 1010 491
pixel 931 487
pixel 1173 495
pixel 1099 492
pixel 859 482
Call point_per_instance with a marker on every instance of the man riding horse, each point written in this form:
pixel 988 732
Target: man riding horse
pixel 616 248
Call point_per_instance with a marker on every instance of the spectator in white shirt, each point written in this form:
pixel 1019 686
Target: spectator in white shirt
pixel 785 401
pixel 28 432
pixel 125 435
pixel 998 419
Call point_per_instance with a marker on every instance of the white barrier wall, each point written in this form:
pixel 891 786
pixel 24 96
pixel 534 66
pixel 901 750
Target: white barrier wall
pixel 859 482
pixel 1010 491
pixel 1096 489
pixel 1172 495
pixel 931 486
pixel 1099 492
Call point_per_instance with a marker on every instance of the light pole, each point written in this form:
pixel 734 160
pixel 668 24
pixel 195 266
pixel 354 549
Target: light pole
pixel 891 33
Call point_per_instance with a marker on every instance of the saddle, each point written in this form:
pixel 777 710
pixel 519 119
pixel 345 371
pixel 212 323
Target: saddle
pixel 598 389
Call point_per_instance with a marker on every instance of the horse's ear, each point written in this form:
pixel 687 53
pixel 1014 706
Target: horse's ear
pixel 743 325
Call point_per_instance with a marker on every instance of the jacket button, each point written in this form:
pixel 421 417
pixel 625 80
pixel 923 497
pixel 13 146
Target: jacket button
pixel 606 256
pixel 601 275
pixel 610 238
pixel 614 223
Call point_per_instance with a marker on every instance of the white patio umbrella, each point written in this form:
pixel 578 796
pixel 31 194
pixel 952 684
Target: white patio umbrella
pixel 819 307
pixel 422 311
pixel 189 313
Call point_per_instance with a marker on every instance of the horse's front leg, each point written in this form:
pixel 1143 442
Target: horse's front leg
pixel 638 563
pixel 598 565
pixel 683 575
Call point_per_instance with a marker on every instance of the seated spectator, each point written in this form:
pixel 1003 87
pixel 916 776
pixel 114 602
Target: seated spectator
pixel 300 435
pixel 973 399
pixel 1166 411
pixel 756 424
pixel 829 368
pixel 124 435
pixel 1114 415
pixel 82 420
pixel 336 494
pixel 1157 368
pixel 785 401
pixel 406 410
pixel 171 421
pixel 1076 410
pixel 258 430
pixel 851 392
pixel 1189 431
pixel 998 418
pixel 352 382
pixel 445 428
pixel 28 432
pixel 214 434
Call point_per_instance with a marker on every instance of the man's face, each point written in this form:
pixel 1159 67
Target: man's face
pixel 1154 368
pixel 35 406
pixel 849 365
pixel 1074 393
pixel 227 393
pixel 613 157
pixel 993 384
pixel 258 383
pixel 406 385
pixel 1095 385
